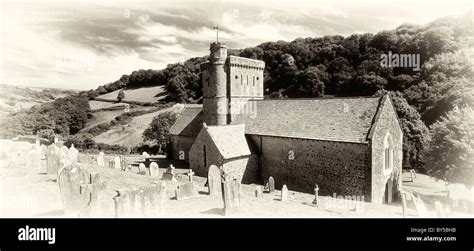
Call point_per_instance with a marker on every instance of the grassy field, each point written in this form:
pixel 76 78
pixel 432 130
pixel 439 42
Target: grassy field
pixel 144 94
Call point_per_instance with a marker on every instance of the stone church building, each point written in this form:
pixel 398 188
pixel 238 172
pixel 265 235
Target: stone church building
pixel 347 146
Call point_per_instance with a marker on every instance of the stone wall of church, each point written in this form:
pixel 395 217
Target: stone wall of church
pixel 200 162
pixel 244 169
pixel 341 168
pixel 386 123
pixel 180 143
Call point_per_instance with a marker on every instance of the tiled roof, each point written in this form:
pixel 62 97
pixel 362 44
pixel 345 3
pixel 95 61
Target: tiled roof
pixel 189 121
pixel 335 119
pixel 230 140
pixel 332 119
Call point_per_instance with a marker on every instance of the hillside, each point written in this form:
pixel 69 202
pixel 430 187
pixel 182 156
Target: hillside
pixel 16 98
pixel 130 134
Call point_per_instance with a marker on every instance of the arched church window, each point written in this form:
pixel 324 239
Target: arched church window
pixel 388 152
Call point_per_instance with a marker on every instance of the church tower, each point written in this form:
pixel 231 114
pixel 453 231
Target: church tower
pixel 214 84
pixel 228 82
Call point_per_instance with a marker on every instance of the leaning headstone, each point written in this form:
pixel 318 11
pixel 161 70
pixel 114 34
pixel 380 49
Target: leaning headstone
pixel 100 159
pixel 117 164
pixel 141 169
pixel 231 196
pixel 169 174
pixel 271 184
pixel 214 180
pixel 186 191
pixel 284 193
pixel 154 169
pixel 145 155
pixel 53 160
pixel 258 192
pixel 142 202
pixel 79 190
pixel 419 206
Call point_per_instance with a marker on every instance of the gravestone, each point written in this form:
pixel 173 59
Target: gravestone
pixel 73 154
pixel 439 209
pixel 64 156
pixel 154 169
pixel 79 190
pixel 100 159
pixel 231 196
pixel 112 163
pixel 271 184
pixel 33 159
pixel 419 206
pixel 284 193
pixel 259 192
pixel 145 155
pixel 190 175
pixel 403 196
pixel 53 160
pixel 169 174
pixel 142 202
pixel 117 162
pixel 214 180
pixel 316 195
pixel 412 174
pixel 186 191
pixel 141 169
pixel 43 151
pixel 123 163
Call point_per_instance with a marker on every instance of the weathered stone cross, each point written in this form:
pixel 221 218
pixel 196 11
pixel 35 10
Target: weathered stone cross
pixel 316 189
pixel 190 175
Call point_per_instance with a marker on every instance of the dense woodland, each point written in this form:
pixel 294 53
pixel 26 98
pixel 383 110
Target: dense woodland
pixel 434 104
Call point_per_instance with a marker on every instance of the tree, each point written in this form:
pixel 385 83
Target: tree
pixel 309 83
pixel 451 155
pixel 120 96
pixel 46 134
pixel 158 130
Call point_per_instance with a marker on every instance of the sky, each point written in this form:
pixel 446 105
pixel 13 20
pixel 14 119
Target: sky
pixel 81 44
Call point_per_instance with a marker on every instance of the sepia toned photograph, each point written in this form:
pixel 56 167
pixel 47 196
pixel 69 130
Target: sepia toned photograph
pixel 236 109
